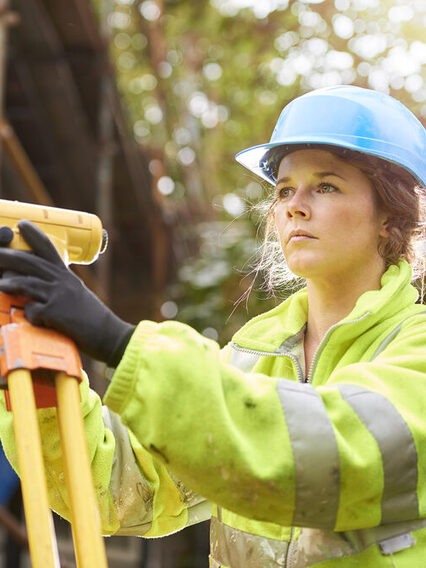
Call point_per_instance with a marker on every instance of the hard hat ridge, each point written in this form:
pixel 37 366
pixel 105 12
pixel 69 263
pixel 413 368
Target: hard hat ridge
pixel 347 116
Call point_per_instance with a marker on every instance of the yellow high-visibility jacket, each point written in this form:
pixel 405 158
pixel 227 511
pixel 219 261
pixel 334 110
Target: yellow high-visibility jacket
pixel 327 470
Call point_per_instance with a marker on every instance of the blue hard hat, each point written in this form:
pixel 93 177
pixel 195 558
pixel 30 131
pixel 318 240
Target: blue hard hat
pixel 347 116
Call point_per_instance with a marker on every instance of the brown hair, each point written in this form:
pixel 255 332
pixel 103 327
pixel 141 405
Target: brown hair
pixel 396 192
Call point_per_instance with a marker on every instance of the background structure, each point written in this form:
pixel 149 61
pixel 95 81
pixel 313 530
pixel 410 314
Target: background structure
pixel 133 110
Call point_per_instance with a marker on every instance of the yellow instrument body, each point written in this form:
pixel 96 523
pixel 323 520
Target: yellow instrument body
pixel 78 236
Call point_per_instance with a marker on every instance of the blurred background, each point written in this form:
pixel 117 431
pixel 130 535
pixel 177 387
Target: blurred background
pixel 134 110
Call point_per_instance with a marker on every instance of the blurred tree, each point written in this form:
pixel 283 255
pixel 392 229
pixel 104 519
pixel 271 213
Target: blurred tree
pixel 202 80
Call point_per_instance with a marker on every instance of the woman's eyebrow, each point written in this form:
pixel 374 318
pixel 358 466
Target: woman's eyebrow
pixel 316 174
pixel 282 180
pixel 324 174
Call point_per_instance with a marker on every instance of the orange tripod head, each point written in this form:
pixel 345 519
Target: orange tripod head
pixel 78 236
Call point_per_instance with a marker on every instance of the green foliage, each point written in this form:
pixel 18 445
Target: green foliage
pixel 203 80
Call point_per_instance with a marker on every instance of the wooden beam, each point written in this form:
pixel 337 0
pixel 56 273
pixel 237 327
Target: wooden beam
pixel 24 168
pixel 22 164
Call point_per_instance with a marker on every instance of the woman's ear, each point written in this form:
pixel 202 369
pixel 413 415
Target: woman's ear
pixel 384 226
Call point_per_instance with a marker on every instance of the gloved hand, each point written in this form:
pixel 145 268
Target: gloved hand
pixel 60 300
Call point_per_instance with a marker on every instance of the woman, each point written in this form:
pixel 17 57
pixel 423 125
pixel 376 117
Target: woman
pixel 308 431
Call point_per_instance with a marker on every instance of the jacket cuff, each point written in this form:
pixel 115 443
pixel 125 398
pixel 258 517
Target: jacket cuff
pixel 120 390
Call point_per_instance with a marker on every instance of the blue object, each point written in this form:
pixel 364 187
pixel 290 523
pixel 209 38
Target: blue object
pixel 8 479
pixel 346 116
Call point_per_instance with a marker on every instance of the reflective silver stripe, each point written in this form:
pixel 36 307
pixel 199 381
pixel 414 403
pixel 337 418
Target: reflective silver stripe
pixel 386 341
pixel 134 506
pixel 364 538
pixel 391 336
pixel 238 549
pixel 397 543
pixel 312 546
pixel 315 454
pixel 316 545
pixel 399 455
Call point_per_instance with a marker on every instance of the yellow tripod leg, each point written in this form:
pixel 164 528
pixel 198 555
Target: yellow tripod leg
pixel 41 537
pixel 88 542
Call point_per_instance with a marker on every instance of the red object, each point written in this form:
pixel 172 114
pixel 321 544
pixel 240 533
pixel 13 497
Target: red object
pixel 42 351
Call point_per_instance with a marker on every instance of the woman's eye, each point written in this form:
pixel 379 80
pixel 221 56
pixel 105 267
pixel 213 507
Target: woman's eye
pixel 286 192
pixel 327 188
pixel 283 192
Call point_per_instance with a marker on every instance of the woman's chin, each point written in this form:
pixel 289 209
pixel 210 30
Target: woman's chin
pixel 304 268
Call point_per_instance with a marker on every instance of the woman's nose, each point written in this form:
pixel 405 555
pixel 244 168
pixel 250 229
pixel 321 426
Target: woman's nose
pixel 298 206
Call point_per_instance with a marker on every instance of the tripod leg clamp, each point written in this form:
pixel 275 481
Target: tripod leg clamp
pixel 43 352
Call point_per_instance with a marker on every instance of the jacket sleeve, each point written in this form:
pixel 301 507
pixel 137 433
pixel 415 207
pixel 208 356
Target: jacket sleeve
pixel 135 492
pixel 345 455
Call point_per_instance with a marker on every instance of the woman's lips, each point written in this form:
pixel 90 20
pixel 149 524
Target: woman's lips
pixel 299 238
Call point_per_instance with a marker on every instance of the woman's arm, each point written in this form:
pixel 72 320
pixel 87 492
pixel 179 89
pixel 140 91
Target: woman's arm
pixel 276 450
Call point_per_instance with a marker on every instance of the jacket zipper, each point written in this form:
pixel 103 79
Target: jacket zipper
pixel 291 545
pixel 285 353
pixel 274 354
pixel 289 556
pixel 289 561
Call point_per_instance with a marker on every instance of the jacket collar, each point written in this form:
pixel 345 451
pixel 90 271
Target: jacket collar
pixel 267 331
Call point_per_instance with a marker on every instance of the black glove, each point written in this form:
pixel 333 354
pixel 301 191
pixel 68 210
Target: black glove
pixel 60 299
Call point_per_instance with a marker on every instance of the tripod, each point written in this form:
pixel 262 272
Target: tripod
pixel 43 369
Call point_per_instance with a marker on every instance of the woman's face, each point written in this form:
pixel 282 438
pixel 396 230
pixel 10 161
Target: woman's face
pixel 332 203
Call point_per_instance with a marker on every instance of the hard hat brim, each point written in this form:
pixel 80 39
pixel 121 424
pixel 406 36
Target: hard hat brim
pixel 253 157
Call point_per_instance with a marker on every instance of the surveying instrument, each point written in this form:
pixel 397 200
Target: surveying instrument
pixel 41 368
